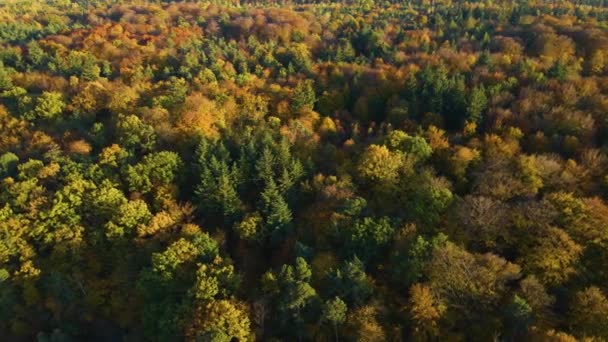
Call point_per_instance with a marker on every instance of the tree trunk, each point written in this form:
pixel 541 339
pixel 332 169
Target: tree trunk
pixel 336 331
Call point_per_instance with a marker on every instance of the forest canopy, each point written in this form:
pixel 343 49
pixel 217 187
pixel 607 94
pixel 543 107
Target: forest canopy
pixel 356 170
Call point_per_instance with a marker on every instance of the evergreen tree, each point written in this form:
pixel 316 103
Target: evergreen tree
pixel 351 283
pixel 276 212
pixel 304 96
pixel 478 102
pixel 217 189
pixel 334 311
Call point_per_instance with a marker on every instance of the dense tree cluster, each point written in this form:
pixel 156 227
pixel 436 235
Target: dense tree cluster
pixel 311 171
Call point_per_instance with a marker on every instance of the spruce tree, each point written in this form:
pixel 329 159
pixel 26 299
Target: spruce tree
pixel 276 211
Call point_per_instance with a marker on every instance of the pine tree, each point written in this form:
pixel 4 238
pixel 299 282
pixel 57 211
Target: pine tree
pixel 218 182
pixel 477 104
pixel 276 211
pixel 217 192
pixel 334 312
pixel 265 166
pixel 228 198
pixel 304 96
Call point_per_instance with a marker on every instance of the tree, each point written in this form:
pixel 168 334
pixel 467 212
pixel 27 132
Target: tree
pixel 362 325
pixel 199 116
pixel 265 165
pixel 217 189
pixel 367 237
pixel 581 217
pixel 345 51
pixel 135 135
pixel 597 62
pixel 144 144
pixel 559 70
pixel 154 170
pixel 292 293
pixel 214 279
pixel 175 93
pixel 589 313
pixel 519 315
pixel 379 165
pixel 351 283
pixel 478 102
pixel 276 212
pixel 484 221
pixel 410 258
pixel 130 214
pixel 35 54
pixel 8 163
pixel 552 257
pixel 105 202
pixel 171 288
pixel 249 228
pixel 5 77
pixel 470 284
pixel 334 312
pixel 425 311
pixel 48 106
pixel 415 146
pixel 299 56
pixel 79 63
pixel 297 297
pixel 304 97
pixel 225 320
pixel 427 197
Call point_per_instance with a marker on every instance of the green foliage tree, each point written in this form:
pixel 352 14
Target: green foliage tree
pixel 334 311
pixel 8 163
pixel 411 257
pixel 49 106
pixel 220 320
pixel 130 214
pixel 366 238
pixel 6 82
pixel 276 212
pixel 174 94
pixel 304 96
pixel 351 283
pixel 292 292
pixel 519 315
pixel 135 135
pixel 169 287
pixel 217 190
pixel 478 102
pixel 155 169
